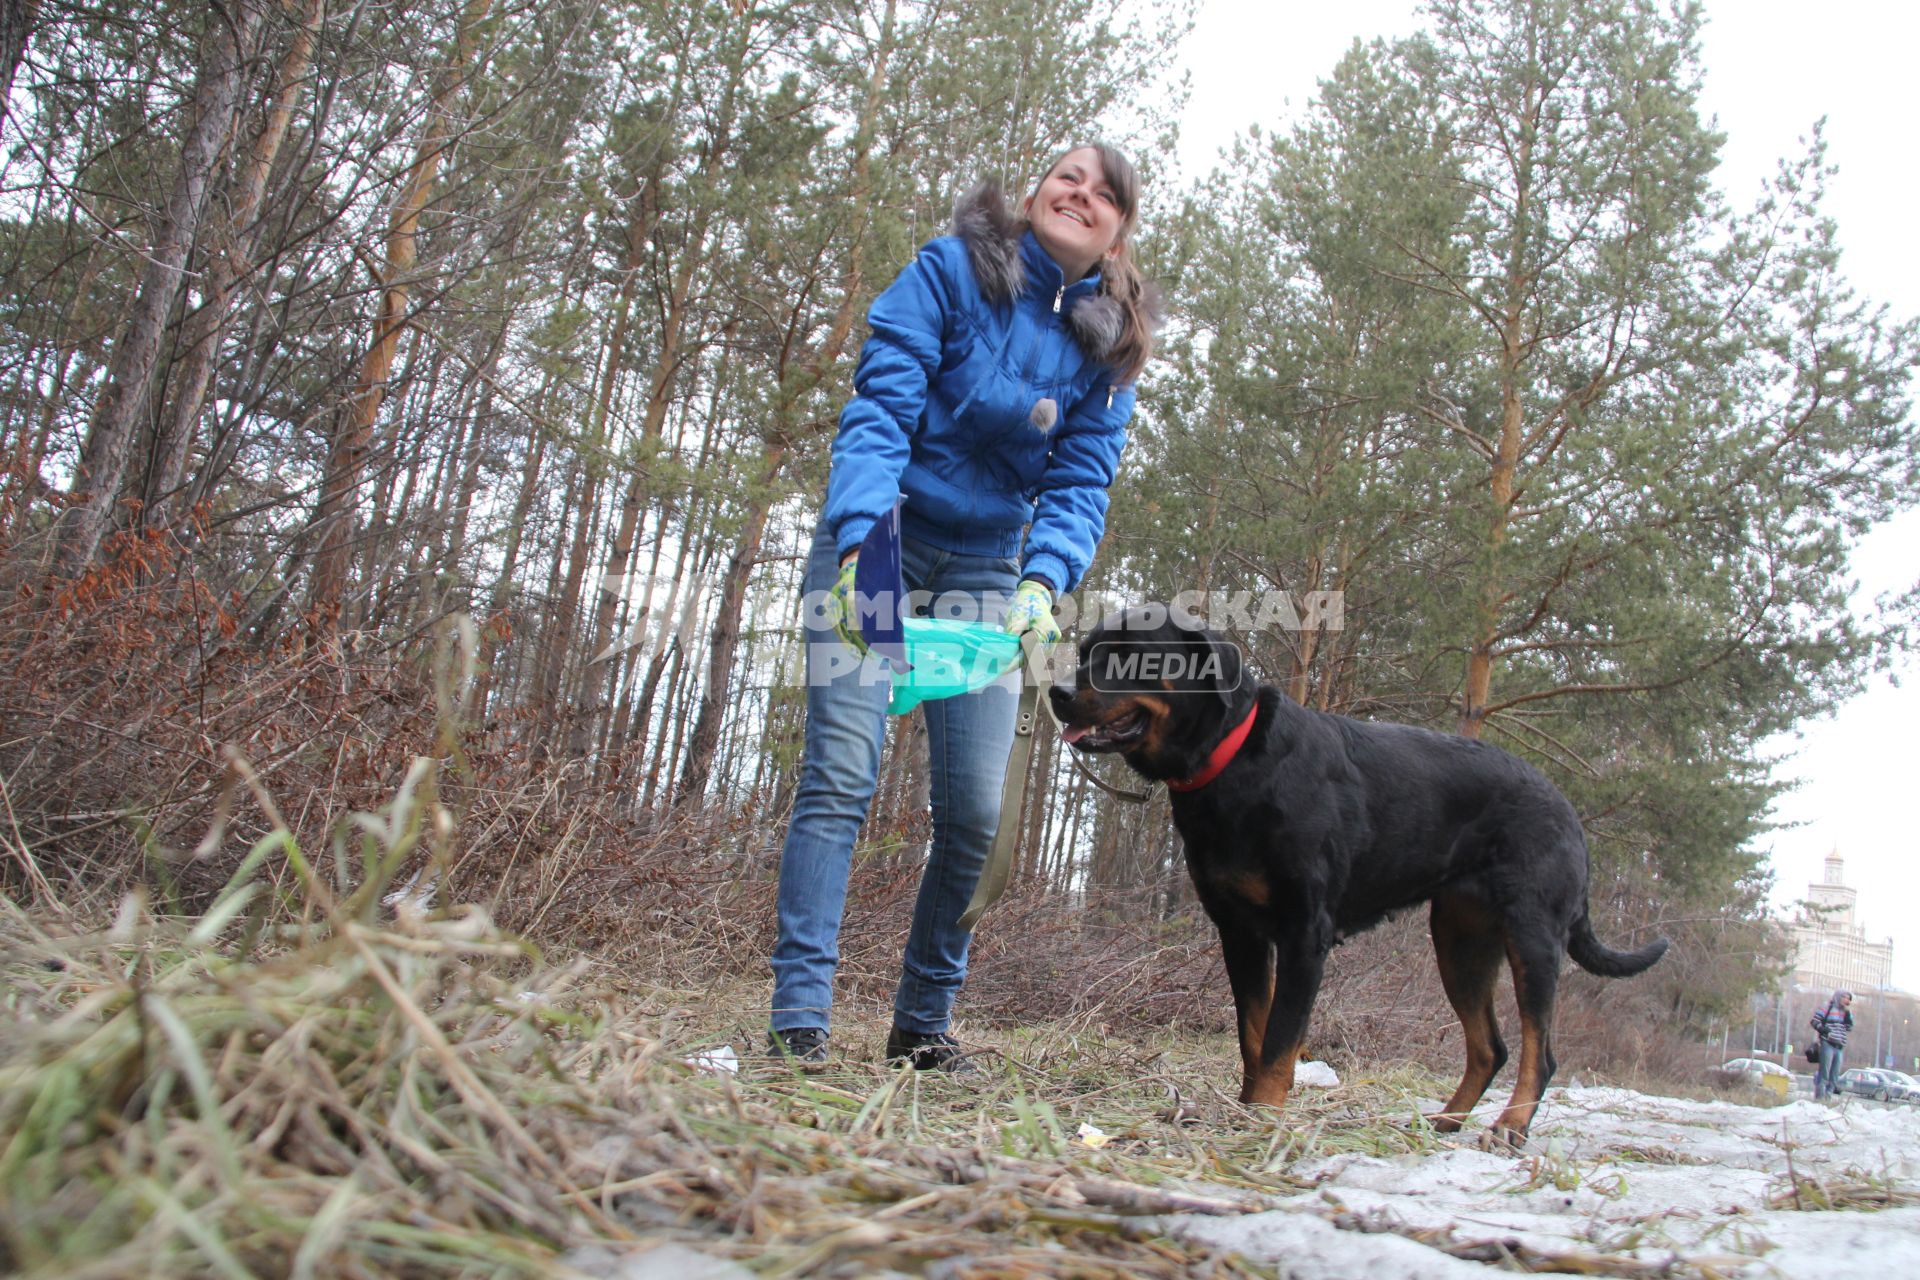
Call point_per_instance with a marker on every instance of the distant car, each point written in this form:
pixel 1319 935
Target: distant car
pixel 1878 1084
pixel 1756 1069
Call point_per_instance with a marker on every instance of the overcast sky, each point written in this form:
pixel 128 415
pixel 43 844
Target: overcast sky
pixel 1772 70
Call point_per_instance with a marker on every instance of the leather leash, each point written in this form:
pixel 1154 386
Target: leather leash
pixel 998 871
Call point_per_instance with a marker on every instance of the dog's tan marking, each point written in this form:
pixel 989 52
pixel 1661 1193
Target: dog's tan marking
pixel 1151 738
pixel 1466 946
pixel 1113 712
pixel 1271 1082
pixel 1253 1033
pixel 1530 1081
pixel 1251 888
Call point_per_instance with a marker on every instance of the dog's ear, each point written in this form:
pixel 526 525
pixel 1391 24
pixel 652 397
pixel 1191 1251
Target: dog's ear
pixel 1219 663
pixel 1227 664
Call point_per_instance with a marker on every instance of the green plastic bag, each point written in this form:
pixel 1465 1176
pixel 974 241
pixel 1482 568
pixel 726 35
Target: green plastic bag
pixel 948 658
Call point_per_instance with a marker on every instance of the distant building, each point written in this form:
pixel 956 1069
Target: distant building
pixel 1831 953
pixel 1830 950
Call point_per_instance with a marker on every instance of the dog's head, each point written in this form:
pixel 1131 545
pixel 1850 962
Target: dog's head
pixel 1157 690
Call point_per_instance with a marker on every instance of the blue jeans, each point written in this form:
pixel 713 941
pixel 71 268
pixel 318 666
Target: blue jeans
pixel 1824 1075
pixel 967 741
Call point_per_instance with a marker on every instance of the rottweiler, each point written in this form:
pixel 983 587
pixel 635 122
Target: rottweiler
pixel 1303 828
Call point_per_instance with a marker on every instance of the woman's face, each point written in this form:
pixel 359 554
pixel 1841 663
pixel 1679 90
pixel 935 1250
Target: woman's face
pixel 1074 213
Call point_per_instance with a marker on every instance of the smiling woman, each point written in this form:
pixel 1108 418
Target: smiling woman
pixel 990 409
pixel 1075 213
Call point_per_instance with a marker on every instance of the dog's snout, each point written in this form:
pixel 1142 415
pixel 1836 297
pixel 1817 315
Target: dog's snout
pixel 1061 695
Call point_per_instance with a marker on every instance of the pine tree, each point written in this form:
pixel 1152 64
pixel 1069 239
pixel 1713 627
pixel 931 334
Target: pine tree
pixel 1484 349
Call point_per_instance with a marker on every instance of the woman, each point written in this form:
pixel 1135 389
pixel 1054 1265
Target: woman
pixel 993 396
pixel 1832 1025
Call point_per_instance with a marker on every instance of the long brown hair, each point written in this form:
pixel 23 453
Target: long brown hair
pixel 1120 277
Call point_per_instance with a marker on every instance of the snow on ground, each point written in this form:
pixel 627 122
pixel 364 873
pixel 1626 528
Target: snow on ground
pixel 1701 1186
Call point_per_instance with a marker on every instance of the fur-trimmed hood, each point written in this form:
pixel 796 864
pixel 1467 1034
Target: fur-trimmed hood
pixel 992 233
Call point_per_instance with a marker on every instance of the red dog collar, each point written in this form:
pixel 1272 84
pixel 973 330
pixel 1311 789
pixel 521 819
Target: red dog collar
pixel 1222 756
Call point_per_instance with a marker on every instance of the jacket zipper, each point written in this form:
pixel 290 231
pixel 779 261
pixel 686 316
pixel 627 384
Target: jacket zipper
pixel 1033 354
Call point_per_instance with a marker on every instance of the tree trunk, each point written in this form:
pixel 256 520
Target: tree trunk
pixel 620 554
pixel 726 630
pixel 124 399
pixel 594 447
pixel 509 561
pixel 549 656
pixel 386 560
pixel 201 336
pixel 620 723
pixel 16 27
pixel 500 600
pixel 660 767
pixel 353 431
pixel 659 400
pixel 467 492
pixel 1477 694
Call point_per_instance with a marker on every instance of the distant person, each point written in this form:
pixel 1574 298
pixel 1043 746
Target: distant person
pixel 994 394
pixel 1832 1025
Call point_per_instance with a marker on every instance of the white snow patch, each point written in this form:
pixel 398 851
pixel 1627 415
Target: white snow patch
pixel 722 1061
pixel 1610 1171
pixel 1315 1075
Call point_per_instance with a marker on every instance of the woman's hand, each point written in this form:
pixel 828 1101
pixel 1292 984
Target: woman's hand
pixel 1032 610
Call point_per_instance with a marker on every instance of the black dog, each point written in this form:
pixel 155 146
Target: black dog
pixel 1302 829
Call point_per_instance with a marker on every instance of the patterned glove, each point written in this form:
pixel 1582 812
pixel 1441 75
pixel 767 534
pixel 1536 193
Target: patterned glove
pixel 1032 610
pixel 842 595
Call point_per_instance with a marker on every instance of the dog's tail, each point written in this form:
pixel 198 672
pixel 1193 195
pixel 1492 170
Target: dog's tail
pixel 1597 957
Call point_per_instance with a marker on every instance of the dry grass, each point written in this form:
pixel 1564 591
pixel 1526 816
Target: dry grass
pixel 261 1067
pixel 1852 1190
pixel 308 1080
pixel 299 1082
pixel 424 1097
pixel 281 1083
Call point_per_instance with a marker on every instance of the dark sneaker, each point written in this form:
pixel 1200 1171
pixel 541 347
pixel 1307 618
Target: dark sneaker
pixel 936 1052
pixel 802 1046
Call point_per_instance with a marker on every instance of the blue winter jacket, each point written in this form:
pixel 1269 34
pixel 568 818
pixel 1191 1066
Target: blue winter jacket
pixel 966 344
